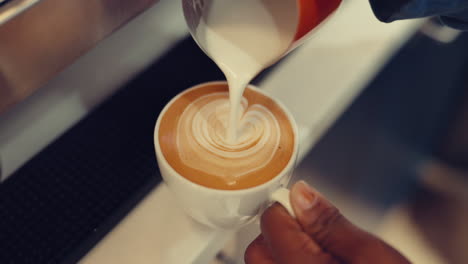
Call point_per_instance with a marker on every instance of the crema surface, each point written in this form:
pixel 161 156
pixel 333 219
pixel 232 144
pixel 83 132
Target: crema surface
pixel 193 138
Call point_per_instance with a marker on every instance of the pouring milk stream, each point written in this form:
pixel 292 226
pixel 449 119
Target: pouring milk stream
pixel 243 37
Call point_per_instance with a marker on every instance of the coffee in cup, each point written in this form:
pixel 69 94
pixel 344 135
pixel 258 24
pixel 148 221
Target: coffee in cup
pixel 193 138
pixel 218 182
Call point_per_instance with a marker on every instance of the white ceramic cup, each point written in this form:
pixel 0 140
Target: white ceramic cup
pixel 226 209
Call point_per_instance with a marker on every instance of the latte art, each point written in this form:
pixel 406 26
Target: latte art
pixel 193 138
pixel 202 137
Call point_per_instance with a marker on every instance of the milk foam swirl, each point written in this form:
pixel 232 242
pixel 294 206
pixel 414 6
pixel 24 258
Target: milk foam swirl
pixel 201 137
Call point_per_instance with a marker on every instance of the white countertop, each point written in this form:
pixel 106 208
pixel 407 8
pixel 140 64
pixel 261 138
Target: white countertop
pixel 317 82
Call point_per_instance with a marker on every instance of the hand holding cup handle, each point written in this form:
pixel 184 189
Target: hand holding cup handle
pixel 314 232
pixel 281 196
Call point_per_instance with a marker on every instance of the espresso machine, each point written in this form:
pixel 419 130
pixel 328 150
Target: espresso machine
pixel 41 38
pixel 81 86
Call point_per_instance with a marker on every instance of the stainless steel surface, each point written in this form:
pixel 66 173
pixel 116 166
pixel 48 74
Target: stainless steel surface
pixel 10 8
pixel 42 40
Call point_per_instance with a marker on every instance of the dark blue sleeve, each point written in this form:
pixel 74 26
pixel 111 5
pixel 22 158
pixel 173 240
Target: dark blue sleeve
pixel 453 13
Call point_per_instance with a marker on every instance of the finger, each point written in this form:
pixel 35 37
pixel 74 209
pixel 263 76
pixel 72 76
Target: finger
pixel 287 241
pixel 258 253
pixel 334 233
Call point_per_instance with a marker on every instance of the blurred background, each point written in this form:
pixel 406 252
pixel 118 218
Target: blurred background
pixel 396 160
pixel 383 111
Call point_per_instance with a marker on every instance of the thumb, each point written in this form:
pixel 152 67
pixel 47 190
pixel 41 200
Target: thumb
pixel 324 223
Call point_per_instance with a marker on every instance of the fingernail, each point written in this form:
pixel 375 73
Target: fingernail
pixel 303 195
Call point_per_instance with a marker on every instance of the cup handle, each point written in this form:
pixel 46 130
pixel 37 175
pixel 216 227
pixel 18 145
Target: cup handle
pixel 282 196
